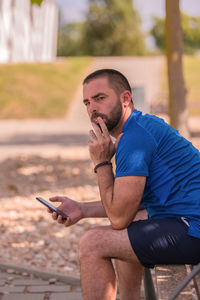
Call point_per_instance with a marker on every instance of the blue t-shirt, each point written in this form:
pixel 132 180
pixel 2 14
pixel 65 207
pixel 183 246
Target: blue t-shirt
pixel 150 147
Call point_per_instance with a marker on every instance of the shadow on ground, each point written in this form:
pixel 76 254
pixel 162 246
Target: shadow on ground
pixel 28 174
pixel 45 139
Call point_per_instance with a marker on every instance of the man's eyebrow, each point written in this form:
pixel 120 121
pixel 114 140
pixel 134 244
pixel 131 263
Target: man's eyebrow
pixel 95 96
pixel 99 94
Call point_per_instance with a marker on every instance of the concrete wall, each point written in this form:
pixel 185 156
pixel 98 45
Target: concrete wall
pixel 28 33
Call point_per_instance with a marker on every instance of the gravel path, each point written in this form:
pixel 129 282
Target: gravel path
pixel 49 158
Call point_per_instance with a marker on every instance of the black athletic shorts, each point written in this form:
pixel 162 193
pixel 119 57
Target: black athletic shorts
pixel 163 241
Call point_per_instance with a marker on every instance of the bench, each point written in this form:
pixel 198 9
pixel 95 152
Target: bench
pixel 170 282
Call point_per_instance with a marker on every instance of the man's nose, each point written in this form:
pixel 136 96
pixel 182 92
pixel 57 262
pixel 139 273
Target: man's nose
pixel 92 107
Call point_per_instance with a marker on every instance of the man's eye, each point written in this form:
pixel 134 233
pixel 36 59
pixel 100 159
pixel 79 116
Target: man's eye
pixel 100 98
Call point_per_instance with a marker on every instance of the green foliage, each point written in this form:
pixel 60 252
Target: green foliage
pixel 38 2
pixel 70 40
pixel 40 90
pixel 112 27
pixel 191 33
pixel 158 32
pixel 190 28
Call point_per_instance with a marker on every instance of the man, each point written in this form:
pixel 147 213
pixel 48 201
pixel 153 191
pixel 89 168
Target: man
pixel 155 167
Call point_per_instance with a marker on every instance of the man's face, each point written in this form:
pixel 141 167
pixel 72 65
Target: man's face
pixel 101 100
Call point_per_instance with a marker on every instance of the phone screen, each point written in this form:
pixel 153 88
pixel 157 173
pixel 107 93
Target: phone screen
pixel 51 207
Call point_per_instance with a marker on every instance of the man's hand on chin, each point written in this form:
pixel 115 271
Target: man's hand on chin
pixel 101 146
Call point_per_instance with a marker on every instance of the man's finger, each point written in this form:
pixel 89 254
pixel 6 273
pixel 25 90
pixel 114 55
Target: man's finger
pixel 103 127
pixel 56 199
pixel 60 219
pixel 67 222
pixel 97 131
pixel 92 135
pixel 54 215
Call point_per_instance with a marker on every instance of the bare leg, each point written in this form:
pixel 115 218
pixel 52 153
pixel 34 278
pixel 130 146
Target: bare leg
pixel 97 247
pixel 128 273
pixel 129 277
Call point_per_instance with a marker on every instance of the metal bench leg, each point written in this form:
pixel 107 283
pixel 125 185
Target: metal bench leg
pixel 149 289
pixel 183 284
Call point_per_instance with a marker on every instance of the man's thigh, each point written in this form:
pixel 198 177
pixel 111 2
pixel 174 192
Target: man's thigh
pixel 163 241
pixel 107 242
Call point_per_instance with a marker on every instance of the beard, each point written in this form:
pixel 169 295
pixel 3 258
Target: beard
pixel 113 119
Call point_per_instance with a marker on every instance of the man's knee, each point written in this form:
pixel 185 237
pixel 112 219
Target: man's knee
pixel 90 243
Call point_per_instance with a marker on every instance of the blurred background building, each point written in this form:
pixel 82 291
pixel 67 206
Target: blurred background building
pixel 28 33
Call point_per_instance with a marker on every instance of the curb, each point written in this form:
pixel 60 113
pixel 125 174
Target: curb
pixel 71 280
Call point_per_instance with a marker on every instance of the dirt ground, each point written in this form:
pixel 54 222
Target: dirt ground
pixel 28 234
pixel 47 158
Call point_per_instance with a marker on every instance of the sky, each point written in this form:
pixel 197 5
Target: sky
pixel 74 10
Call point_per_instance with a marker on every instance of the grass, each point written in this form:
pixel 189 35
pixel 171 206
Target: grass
pixel 45 90
pixel 191 69
pixel 41 90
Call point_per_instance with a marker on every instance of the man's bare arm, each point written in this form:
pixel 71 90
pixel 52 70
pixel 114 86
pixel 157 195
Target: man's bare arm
pixel 76 210
pixel 120 197
pixel 93 210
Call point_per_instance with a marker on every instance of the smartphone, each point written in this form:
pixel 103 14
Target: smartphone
pixel 52 208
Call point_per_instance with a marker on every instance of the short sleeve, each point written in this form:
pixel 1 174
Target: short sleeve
pixel 134 153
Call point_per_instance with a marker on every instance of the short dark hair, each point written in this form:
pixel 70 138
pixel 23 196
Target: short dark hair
pixel 116 79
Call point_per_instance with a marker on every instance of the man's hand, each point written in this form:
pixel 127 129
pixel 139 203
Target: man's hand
pixel 70 208
pixel 101 146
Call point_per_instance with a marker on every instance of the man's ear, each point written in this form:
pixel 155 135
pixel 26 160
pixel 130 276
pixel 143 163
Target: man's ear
pixel 125 98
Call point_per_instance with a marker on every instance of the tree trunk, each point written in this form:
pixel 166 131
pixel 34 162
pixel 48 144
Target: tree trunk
pixel 174 49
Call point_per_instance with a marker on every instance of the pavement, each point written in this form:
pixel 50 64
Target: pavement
pixel 22 283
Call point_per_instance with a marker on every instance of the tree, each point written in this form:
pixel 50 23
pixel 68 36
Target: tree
pixel 158 32
pixel 190 28
pixel 70 40
pixel 112 28
pixel 38 2
pixel 177 91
